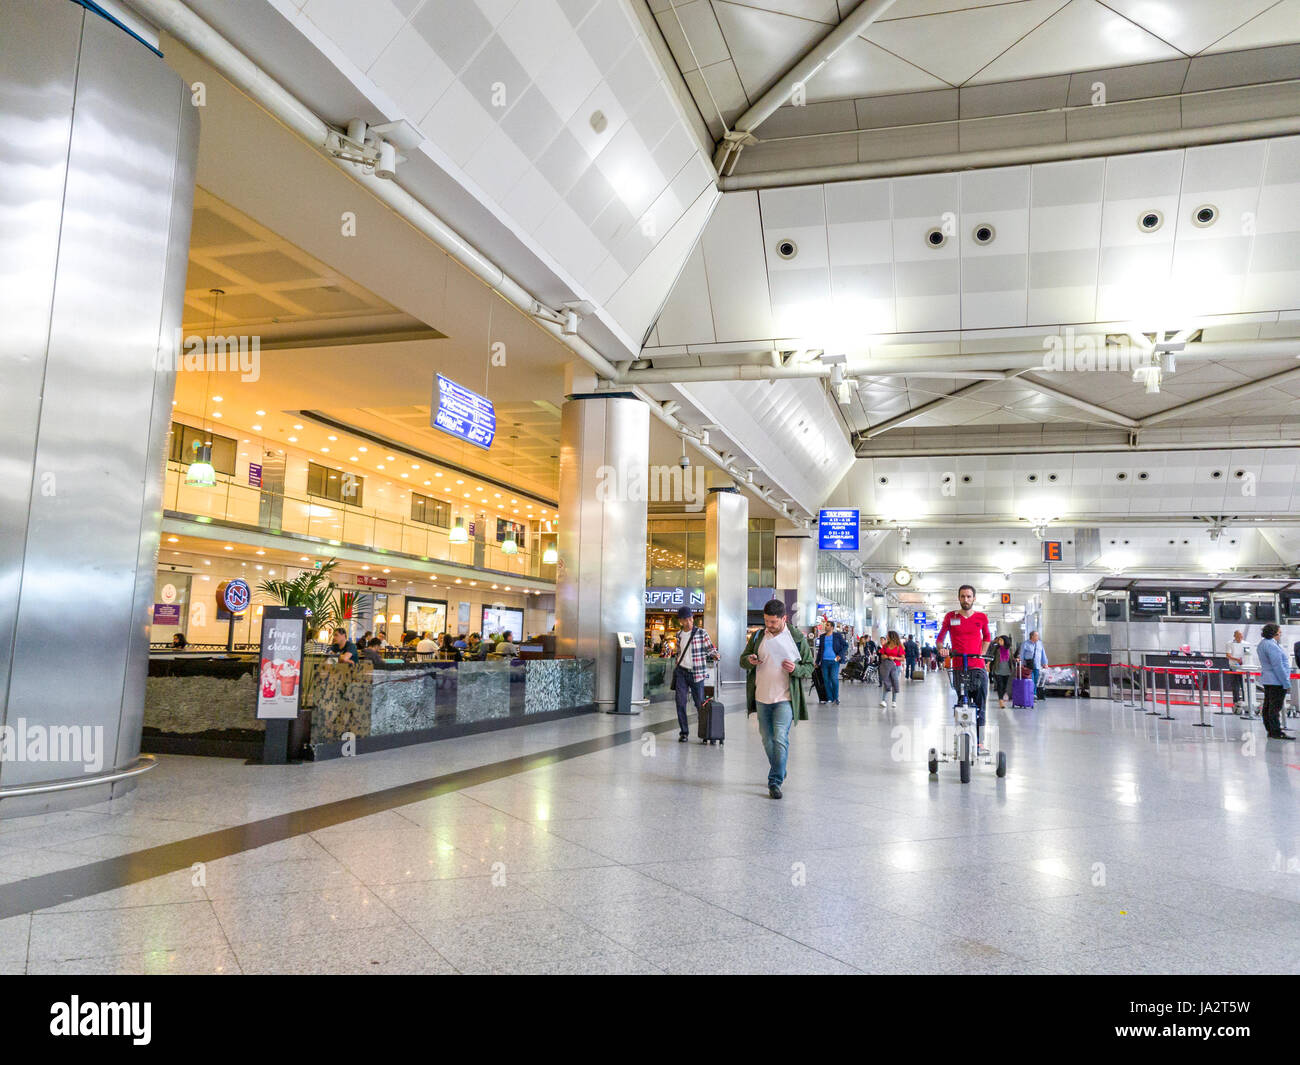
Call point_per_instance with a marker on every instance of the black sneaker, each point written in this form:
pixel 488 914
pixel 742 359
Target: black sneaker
pixel 682 737
pixel 774 791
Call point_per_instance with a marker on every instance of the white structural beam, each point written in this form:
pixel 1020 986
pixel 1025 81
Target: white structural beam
pixel 807 66
pixel 1021 155
pixel 931 407
pixel 1091 408
pixel 1196 405
pixel 989 364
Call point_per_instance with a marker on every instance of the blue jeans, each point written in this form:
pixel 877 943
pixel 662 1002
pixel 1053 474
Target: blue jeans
pixel 1035 671
pixel 774 721
pixel 831 675
pixel 684 685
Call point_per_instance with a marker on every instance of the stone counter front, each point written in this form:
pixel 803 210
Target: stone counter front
pixel 388 706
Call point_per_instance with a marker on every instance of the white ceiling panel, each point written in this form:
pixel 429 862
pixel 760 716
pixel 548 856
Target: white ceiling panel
pixel 1190 25
pixel 1279 24
pixel 1081 35
pixel 956 45
pixel 763 44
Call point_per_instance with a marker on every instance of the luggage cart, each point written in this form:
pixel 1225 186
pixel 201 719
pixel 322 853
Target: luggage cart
pixel 965 745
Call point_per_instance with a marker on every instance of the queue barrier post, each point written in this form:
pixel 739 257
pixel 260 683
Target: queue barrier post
pixel 1220 712
pixel 1168 715
pixel 1202 688
pixel 1155 698
pixel 1132 686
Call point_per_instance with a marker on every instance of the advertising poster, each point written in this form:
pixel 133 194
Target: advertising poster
pixel 279 687
pixel 167 614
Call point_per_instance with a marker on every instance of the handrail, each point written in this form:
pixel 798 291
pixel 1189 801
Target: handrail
pixel 142 764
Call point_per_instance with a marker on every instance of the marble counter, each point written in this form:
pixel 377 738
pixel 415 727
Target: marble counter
pixel 391 705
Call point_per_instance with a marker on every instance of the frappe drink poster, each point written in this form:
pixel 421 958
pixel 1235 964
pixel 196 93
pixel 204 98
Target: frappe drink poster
pixel 281 668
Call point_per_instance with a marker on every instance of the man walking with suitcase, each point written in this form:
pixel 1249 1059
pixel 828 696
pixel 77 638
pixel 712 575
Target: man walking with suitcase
pixel 694 653
pixel 775 659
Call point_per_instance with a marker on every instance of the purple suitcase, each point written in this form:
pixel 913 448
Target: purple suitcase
pixel 1022 693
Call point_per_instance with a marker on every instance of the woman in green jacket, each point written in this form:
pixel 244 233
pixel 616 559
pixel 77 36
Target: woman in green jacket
pixel 776 659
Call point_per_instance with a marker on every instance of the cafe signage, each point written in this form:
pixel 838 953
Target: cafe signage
pixel 279 688
pixel 674 597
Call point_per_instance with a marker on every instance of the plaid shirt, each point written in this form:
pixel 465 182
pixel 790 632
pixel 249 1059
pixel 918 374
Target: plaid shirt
pixel 701 650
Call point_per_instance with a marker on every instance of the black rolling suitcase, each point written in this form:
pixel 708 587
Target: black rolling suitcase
pixel 712 726
pixel 819 682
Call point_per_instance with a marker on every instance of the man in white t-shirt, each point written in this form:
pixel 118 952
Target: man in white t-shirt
pixel 775 659
pixel 426 646
pixel 1236 654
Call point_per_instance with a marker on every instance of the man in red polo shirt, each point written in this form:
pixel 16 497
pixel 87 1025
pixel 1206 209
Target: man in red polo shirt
pixel 968 633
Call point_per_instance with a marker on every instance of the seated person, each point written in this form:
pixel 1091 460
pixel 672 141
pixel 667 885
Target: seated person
pixel 426 646
pixel 373 652
pixel 475 650
pixel 179 641
pixel 449 650
pixel 506 648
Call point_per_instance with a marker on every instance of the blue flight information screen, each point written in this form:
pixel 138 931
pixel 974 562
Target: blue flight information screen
pixel 837 530
pixel 463 413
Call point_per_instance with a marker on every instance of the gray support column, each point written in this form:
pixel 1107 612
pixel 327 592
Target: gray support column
pixel 726 576
pixel 796 567
pixel 97 208
pixel 600 575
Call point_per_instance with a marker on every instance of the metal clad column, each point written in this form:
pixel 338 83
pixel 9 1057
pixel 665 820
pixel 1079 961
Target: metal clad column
pixel 110 194
pixel 796 567
pixel 726 577
pixel 601 575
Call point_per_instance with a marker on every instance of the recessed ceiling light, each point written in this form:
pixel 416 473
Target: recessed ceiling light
pixel 297 426
pixel 173 540
pixel 428 482
pixel 207 561
pixel 415 465
pixel 365 567
pixel 391 459
pixel 304 559
pixel 514 501
pixel 363 450
pixel 496 495
pixel 516 510
pixel 438 473
pixel 228 548
pixel 325 451
pixel 457 580
pixel 260 413
pixel 333 438
pixel 388 571
pixel 293 439
pixel 405 475
pixel 494 587
pixel 216 399
pixel 466 495
pixel 216 414
pixel 380 467
pixel 459 481
pixel 260 551
pixel 353 458
pixel 257 428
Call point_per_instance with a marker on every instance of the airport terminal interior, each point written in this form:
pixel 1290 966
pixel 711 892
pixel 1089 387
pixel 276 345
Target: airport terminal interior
pixel 650 487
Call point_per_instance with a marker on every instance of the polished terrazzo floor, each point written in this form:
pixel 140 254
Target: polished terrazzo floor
pixel 1117 844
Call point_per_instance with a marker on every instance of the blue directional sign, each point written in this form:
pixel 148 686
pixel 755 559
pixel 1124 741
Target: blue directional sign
pixel 463 413
pixel 918 617
pixel 837 530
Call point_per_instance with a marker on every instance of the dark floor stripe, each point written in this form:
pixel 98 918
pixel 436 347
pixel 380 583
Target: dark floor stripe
pixel 54 889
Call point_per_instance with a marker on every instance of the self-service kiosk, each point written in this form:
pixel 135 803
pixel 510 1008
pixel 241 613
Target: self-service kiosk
pixel 623 673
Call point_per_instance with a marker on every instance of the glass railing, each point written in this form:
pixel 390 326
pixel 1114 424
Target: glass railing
pixel 337 524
